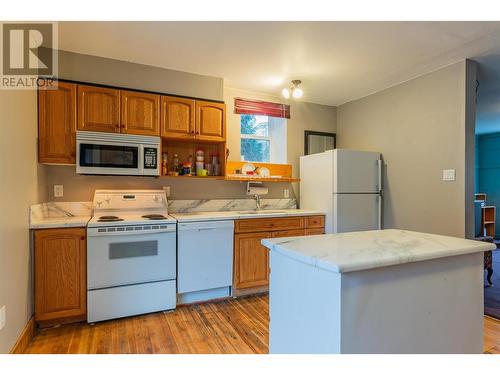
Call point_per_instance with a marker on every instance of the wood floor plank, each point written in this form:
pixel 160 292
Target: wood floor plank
pixel 230 326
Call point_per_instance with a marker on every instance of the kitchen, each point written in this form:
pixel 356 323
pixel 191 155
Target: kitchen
pixel 140 203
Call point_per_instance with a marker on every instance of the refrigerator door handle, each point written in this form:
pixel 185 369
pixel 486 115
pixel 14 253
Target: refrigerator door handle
pixel 379 171
pixel 379 219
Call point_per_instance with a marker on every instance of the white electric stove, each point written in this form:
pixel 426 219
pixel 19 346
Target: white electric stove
pixel 131 254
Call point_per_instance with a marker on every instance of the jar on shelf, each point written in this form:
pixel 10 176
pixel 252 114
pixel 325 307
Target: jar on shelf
pixel 164 164
pixel 186 169
pixel 175 163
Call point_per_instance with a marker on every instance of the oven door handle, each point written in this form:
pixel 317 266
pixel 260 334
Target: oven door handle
pixel 92 232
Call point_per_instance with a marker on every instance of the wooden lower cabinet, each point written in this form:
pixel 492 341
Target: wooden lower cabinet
pixel 251 259
pixel 313 231
pixel 60 275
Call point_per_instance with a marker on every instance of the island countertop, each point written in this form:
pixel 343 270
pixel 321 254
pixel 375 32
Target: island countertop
pixel 355 251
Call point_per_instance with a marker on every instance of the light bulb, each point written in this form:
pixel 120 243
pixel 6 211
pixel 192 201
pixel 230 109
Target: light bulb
pixel 297 92
pixel 285 93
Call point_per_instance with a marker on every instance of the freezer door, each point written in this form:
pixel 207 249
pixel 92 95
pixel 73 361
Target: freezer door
pixel 356 212
pixel 356 172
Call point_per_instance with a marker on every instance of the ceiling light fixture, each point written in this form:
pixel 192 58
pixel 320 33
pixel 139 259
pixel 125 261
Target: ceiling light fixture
pixel 295 90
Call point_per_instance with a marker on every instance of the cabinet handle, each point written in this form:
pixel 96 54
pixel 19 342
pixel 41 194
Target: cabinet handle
pixel 198 132
pixel 82 238
pixel 192 131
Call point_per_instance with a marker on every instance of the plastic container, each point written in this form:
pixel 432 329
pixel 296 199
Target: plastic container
pixel 199 167
pixel 200 156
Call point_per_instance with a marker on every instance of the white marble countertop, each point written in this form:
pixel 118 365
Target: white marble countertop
pixel 233 215
pixel 355 251
pixel 60 215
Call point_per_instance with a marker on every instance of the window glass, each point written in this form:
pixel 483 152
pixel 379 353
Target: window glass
pixel 255 150
pixel 255 125
pixel 263 139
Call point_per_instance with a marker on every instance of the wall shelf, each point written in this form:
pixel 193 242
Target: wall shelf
pixel 282 170
pixel 194 177
pixel 261 179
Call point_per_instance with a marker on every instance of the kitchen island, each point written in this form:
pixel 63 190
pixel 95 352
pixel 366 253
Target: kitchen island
pixel 389 291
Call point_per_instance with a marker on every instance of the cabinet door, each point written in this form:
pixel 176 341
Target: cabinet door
pixel 140 113
pixel 57 124
pixel 210 121
pixel 60 274
pixel 251 260
pixel 177 117
pixel 98 109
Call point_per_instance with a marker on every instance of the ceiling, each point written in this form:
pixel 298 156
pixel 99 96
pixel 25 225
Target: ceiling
pixel 336 61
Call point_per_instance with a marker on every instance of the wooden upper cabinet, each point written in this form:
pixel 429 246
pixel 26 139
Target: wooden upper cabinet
pixel 60 274
pixel 251 260
pixel 210 121
pixel 140 113
pixel 177 117
pixel 98 109
pixel 57 124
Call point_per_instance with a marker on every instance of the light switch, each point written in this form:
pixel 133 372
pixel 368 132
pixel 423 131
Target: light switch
pixel 448 175
pixel 3 317
pixel 58 191
pixel 286 193
pixel 167 190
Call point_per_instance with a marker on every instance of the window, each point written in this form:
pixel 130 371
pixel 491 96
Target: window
pixel 263 139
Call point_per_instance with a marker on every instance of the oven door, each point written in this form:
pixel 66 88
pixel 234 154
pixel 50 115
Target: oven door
pixel 127 258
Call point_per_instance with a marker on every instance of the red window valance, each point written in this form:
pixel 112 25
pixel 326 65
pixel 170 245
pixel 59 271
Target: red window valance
pixel 257 107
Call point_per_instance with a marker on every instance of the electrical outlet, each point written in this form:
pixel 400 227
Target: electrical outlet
pixel 448 175
pixel 58 191
pixel 286 193
pixel 3 317
pixel 167 190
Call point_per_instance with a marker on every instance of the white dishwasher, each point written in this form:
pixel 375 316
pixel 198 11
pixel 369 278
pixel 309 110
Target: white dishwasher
pixel 204 259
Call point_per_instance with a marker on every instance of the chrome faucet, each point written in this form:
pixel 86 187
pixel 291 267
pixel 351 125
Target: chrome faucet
pixel 257 201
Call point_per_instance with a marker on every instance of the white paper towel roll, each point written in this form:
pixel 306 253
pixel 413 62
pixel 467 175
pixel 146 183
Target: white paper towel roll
pixel 257 190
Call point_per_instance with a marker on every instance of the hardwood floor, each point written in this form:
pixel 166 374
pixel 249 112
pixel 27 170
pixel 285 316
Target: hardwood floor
pixel 491 340
pixel 229 326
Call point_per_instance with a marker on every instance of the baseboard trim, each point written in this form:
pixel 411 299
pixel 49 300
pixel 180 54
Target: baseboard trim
pixel 24 338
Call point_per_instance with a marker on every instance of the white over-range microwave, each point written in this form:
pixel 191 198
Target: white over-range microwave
pixel 117 154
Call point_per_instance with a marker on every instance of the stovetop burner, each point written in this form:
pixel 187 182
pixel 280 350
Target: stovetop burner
pixel 154 217
pixel 109 218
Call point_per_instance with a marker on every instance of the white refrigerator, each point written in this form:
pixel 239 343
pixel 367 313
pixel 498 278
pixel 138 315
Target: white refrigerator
pixel 346 185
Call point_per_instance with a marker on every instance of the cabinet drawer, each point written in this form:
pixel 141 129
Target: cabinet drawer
pixel 313 231
pixel 289 233
pixel 270 224
pixel 315 221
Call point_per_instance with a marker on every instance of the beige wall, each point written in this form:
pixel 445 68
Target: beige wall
pixel 420 129
pixel 81 188
pixel 96 69
pixel 18 190
pixel 303 116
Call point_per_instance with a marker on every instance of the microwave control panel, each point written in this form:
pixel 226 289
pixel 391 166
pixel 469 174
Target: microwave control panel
pixel 150 157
